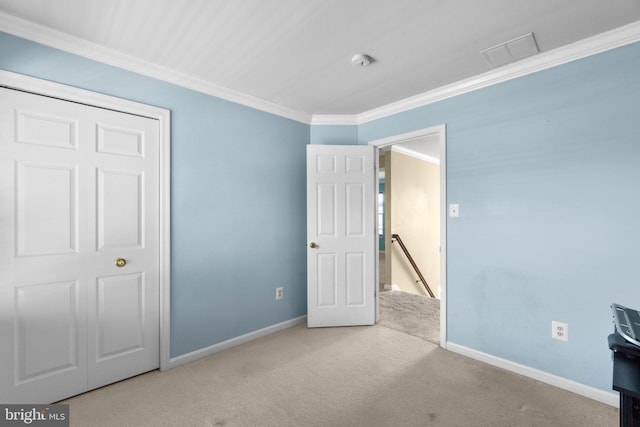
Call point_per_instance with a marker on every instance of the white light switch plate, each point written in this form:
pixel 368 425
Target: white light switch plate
pixel 454 210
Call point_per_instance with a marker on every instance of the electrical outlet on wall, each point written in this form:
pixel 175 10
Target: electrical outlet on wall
pixel 559 331
pixel 279 293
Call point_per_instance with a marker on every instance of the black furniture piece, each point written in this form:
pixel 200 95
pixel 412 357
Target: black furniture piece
pixel 624 343
pixel 626 380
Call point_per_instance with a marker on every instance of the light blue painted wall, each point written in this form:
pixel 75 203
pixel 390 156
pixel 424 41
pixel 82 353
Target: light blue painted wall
pixel 238 210
pixel 334 134
pixel 546 169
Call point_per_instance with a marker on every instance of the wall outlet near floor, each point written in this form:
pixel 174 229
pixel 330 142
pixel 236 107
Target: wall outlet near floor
pixel 279 293
pixel 559 331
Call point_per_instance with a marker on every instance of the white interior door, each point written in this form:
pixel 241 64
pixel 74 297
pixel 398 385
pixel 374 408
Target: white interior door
pixel 78 189
pixel 341 234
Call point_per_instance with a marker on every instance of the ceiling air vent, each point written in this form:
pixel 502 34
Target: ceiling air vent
pixel 513 50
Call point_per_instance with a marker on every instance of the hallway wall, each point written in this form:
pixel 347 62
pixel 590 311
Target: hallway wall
pixel 414 213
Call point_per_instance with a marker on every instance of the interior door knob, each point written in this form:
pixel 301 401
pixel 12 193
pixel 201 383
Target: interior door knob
pixel 121 262
pixel 313 245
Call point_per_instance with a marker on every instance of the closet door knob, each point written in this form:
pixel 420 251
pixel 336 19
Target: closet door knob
pixel 121 262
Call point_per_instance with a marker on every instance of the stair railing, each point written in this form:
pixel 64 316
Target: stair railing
pixel 394 238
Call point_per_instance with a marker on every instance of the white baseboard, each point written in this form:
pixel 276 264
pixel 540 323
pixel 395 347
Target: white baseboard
pixel 207 351
pixel 609 398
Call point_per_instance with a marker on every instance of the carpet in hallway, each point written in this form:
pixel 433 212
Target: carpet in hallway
pixel 412 314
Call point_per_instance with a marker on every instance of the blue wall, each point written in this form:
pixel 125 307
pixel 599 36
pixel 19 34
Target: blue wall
pixel 546 169
pixel 334 134
pixel 238 210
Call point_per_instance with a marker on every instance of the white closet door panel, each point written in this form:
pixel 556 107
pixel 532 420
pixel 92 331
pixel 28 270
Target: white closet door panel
pixel 113 139
pixel 47 127
pixel 79 188
pixel 124 328
pixel 120 216
pixel 42 249
pixel 47 322
pixel 120 315
pixel 47 217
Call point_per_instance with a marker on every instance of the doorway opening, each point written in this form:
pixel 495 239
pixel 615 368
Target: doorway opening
pixel 412 233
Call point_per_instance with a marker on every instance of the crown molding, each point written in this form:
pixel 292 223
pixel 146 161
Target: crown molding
pixel 59 40
pixel 411 153
pixel 581 49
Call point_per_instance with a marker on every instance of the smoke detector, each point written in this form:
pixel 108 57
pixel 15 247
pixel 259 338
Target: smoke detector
pixel 361 60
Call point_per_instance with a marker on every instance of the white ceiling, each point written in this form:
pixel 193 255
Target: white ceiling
pixel 297 53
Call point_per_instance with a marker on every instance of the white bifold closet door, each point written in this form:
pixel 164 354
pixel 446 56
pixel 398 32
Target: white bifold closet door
pixel 79 191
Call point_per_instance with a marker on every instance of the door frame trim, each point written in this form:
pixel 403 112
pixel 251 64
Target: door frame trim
pixel 441 131
pixel 56 90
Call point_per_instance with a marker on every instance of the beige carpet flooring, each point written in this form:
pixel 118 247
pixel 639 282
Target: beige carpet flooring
pixel 412 314
pixel 356 376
